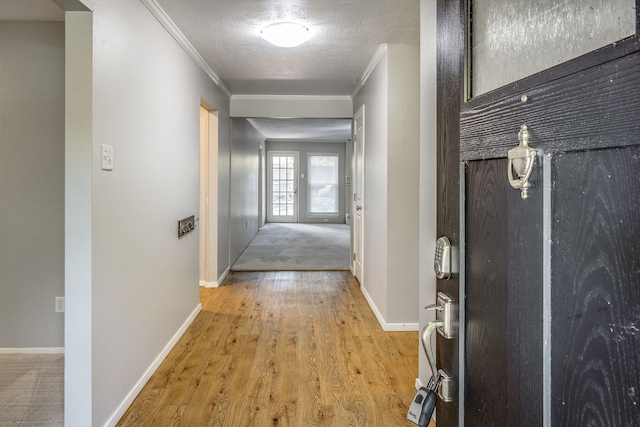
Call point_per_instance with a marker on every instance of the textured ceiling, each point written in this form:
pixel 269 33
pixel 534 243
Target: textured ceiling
pixel 314 130
pixel 347 34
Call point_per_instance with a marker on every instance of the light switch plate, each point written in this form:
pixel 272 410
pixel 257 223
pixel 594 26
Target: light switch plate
pixel 106 157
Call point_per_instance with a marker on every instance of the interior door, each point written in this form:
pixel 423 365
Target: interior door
pixel 358 196
pixel 548 286
pixel 282 180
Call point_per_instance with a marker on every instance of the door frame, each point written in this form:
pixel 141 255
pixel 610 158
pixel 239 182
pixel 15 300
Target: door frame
pixel 208 221
pixel 358 178
pixel 296 180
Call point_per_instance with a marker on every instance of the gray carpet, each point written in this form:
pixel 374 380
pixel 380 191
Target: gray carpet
pixel 297 247
pixel 32 389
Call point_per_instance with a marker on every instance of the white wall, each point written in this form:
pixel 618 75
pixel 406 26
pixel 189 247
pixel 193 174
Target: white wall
pixel 144 280
pixel 31 183
pixel 428 169
pixel 291 106
pixel 245 185
pixel 391 97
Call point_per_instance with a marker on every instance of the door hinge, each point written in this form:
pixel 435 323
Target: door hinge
pixel 354 256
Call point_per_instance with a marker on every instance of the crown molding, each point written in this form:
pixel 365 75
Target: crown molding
pixel 175 32
pixel 255 126
pixel 380 53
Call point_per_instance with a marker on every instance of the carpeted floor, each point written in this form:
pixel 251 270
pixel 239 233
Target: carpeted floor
pixel 32 390
pixel 297 247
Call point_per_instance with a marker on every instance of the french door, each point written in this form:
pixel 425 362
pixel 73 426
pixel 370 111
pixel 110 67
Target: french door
pixel 282 192
pixel 549 281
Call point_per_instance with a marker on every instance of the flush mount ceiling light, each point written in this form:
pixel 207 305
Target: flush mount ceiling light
pixel 286 34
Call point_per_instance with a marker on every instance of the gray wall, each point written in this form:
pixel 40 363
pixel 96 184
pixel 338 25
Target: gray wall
pixel 305 148
pixel 142 287
pixel 403 182
pixel 245 185
pixel 392 153
pixel 374 96
pixel 224 193
pixel 31 183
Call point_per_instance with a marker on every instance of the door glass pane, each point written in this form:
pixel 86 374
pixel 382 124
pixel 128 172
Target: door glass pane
pixel 283 185
pixel 514 39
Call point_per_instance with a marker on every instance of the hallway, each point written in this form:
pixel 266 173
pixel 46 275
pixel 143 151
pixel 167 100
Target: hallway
pixel 286 348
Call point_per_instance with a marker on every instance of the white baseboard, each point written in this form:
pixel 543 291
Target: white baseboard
pixel 402 327
pixel 122 408
pixel 205 284
pixel 388 327
pixel 224 275
pixel 33 350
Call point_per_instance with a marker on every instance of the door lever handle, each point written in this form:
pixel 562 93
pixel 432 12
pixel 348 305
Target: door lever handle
pixel 425 337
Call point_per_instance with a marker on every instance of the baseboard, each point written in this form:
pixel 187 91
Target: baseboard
pixel 388 327
pixel 224 275
pixel 122 408
pixel 402 327
pixel 205 284
pixel 33 350
pixel 373 306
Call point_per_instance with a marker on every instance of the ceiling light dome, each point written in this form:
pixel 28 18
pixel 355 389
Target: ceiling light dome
pixel 286 34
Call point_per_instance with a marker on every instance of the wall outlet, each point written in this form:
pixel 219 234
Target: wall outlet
pixel 59 304
pixel 106 157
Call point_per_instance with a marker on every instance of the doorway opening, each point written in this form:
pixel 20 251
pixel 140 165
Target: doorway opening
pixel 208 234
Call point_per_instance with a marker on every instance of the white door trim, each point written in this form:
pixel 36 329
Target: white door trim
pixel 358 200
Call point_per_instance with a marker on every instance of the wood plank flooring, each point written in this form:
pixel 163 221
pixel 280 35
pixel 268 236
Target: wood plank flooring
pixel 283 349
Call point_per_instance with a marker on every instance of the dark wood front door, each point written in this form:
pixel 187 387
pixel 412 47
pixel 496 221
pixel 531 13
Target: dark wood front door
pixel 549 286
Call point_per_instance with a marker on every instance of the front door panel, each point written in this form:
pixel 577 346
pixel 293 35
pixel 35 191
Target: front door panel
pixel 550 287
pixel 504 348
pixel 595 345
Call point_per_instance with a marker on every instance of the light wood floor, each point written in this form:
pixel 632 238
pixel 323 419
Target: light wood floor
pixel 283 349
